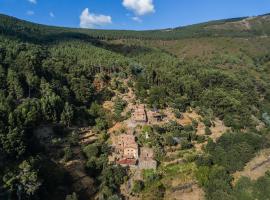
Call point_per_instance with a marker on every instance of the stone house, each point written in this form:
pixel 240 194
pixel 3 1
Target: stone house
pixel 139 114
pixel 127 149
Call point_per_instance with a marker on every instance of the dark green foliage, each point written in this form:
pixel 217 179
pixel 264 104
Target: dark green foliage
pixel 91 151
pixel 233 150
pixel 47 77
pixel 201 138
pixel 112 177
pixel 207 122
pixel 137 186
pixel 119 106
pixel 49 84
pixel 67 114
pixel 157 97
pixel 24 179
pixel 208 131
pixel 67 154
pixel 228 154
pixel 216 181
pixel 169 141
pixel 177 114
pixel 245 189
pixel 185 144
pixel 82 89
pixel 13 142
pixel 29 31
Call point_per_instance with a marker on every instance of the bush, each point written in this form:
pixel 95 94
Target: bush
pixel 204 160
pixel 194 124
pixel 186 144
pixel 190 157
pixel 73 138
pixel 150 176
pixel 138 186
pixel 91 151
pixel 169 141
pixel 177 114
pixel 207 122
pixel 234 150
pixel 201 138
pixel 207 131
pixel 67 153
pixel 101 124
pixel 114 197
pixel 188 128
pixel 73 196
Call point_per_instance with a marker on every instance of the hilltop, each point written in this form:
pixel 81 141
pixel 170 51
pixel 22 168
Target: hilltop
pixel 236 27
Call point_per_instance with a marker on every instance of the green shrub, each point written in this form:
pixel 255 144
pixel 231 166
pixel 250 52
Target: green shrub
pixel 67 153
pixel 138 186
pixel 177 114
pixel 73 196
pixel 186 144
pixel 91 151
pixel 201 138
pixel 207 131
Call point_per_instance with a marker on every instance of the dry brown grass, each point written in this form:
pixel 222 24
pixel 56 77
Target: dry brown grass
pixel 108 105
pixel 118 127
pixel 194 193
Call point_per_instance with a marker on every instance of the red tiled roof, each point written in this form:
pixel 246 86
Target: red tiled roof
pixel 127 161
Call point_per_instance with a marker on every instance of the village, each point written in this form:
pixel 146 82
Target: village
pixel 140 157
pixel 126 150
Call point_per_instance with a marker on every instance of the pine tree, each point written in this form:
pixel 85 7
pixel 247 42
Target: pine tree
pixel 67 115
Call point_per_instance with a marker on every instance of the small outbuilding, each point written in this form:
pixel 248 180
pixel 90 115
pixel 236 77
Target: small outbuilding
pixel 146 160
pixel 139 114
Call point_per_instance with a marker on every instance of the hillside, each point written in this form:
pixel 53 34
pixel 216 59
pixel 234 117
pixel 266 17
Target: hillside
pixel 237 27
pixel 193 103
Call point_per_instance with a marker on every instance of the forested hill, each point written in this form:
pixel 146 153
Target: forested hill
pixel 236 27
pixel 61 79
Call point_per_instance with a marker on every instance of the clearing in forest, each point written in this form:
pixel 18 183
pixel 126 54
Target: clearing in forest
pixel 217 129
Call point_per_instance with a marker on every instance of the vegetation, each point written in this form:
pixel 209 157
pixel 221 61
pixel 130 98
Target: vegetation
pixel 49 76
pixel 230 153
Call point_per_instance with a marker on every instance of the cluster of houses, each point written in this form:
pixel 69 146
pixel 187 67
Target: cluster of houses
pixel 129 153
pixel 141 116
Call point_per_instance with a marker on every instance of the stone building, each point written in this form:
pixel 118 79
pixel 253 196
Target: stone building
pixel 139 114
pixel 146 160
pixel 127 149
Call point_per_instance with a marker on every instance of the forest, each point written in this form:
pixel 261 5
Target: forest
pixel 48 77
